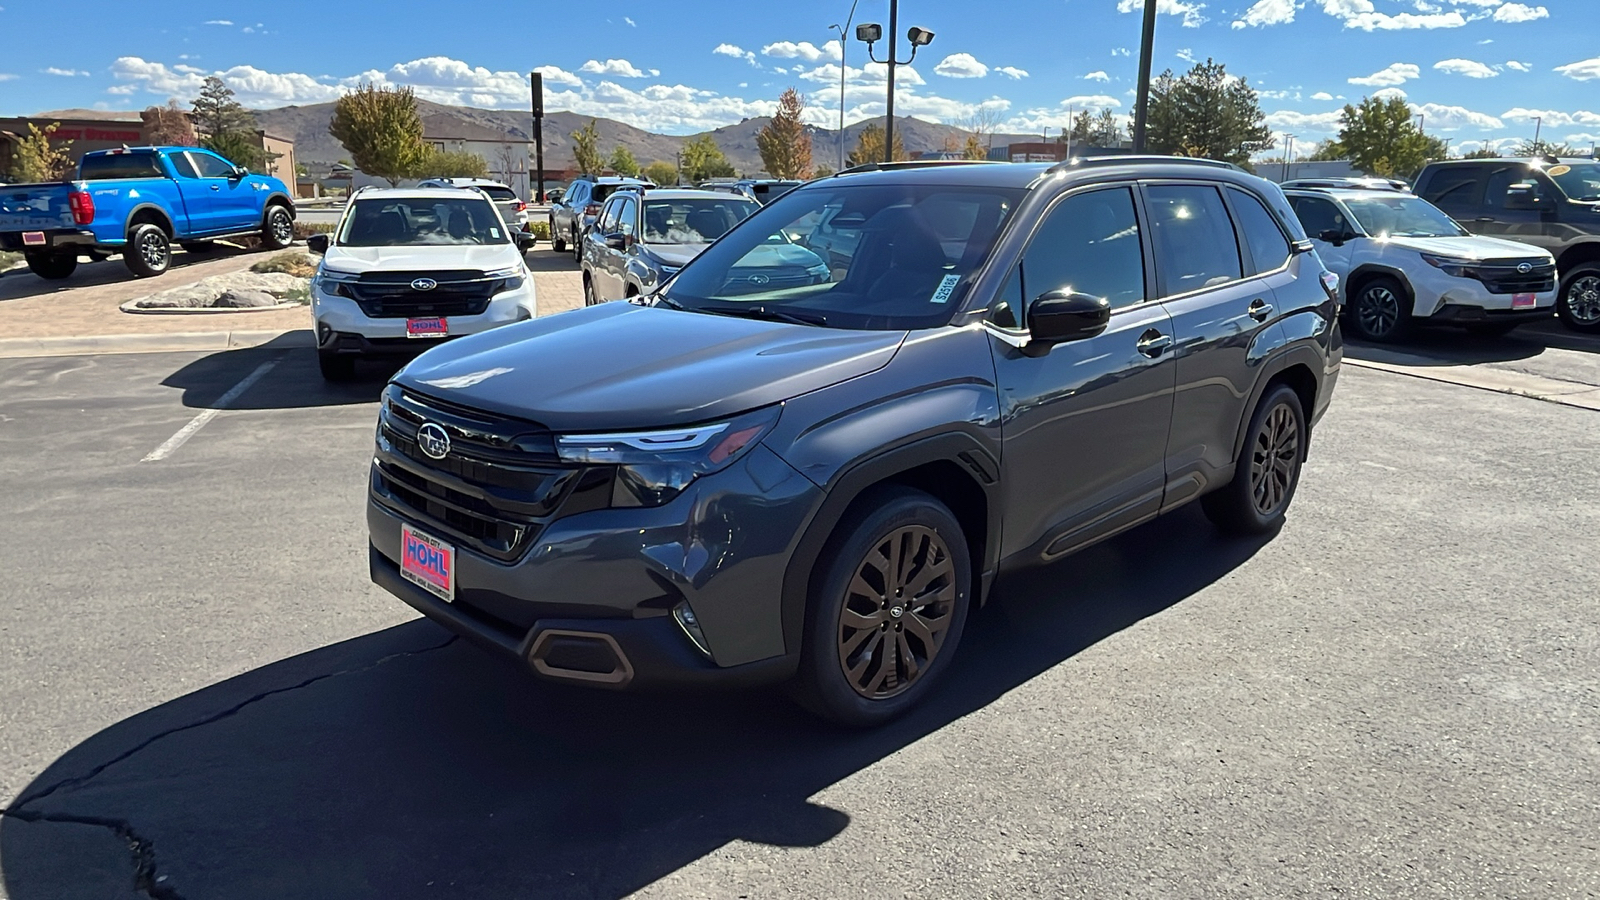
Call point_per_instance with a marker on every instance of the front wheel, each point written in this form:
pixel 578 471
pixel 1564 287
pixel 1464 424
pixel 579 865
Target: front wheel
pixel 1381 311
pixel 277 232
pixel 1579 302
pixel 557 242
pixel 577 248
pixel 887 605
pixel 149 251
pixel 1268 468
pixel 54 266
pixel 588 291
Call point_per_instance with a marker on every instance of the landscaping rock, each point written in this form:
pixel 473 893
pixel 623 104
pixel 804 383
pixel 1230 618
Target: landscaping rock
pixel 245 299
pixel 236 290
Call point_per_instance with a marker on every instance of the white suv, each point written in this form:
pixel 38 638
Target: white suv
pixel 407 268
pixel 512 209
pixel 1401 262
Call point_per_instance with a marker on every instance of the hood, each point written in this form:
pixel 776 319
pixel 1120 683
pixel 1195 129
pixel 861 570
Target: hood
pixel 423 259
pixel 618 366
pixel 1470 247
pixel 676 255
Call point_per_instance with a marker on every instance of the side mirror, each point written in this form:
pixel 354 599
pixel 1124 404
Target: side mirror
pixel 525 240
pixel 1525 196
pixel 1334 236
pixel 617 241
pixel 239 172
pixel 317 243
pixel 1061 316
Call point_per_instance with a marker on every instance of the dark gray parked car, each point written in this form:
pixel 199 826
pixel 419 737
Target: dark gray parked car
pixel 739 481
pixel 579 205
pixel 645 235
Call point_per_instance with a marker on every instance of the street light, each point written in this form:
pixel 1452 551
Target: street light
pixel 1538 122
pixel 1141 109
pixel 843 39
pixel 1288 154
pixel 871 34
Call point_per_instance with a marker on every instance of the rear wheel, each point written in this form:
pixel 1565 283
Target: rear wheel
pixel 336 367
pixel 1268 469
pixel 577 248
pixel 1381 311
pixel 888 603
pixel 52 265
pixel 1579 302
pixel 557 242
pixel 149 251
pixel 277 232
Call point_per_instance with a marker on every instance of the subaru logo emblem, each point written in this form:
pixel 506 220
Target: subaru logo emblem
pixel 433 440
pixel 1524 268
pixel 424 284
pixel 759 279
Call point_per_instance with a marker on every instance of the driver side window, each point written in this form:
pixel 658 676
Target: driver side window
pixel 1088 244
pixel 211 166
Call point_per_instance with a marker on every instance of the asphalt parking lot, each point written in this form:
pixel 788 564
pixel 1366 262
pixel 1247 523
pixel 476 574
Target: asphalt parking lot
pixel 203 697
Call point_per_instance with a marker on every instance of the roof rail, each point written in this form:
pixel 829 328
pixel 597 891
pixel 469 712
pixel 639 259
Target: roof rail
pixel 364 187
pixel 1079 162
pixel 913 164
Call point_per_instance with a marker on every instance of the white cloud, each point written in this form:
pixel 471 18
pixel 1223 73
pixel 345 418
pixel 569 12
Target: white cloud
pixel 1553 118
pixel 219 22
pixel 1267 12
pixel 1361 14
pixel 1303 123
pixel 1467 67
pixel 1322 95
pixel 1587 70
pixel 802 50
pixel 1515 66
pixel 7 76
pixel 737 52
pixel 1097 76
pixel 872 75
pixel 1395 73
pixel 1121 51
pixel 1091 101
pixel 1185 54
pixel 1518 12
pixel 1189 11
pixel 1449 118
pixel 630 21
pixel 64 73
pixel 1011 72
pixel 961 65
pixel 620 67
pixel 1386 93
pixel 559 76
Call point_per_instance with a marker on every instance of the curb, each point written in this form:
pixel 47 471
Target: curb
pixel 1500 381
pixel 24 348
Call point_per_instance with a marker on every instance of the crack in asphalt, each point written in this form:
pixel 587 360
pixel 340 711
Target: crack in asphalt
pixel 143 852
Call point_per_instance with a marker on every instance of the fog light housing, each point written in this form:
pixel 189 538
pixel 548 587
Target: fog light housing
pixel 686 620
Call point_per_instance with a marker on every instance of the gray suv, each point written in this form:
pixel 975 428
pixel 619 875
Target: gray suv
pixel 742 479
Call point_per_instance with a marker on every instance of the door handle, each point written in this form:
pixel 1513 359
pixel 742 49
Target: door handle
pixel 216 187
pixel 1153 342
pixel 1484 219
pixel 1260 309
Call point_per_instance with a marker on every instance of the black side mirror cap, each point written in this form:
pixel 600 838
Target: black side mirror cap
pixel 1061 316
pixel 317 243
pixel 617 241
pixel 525 240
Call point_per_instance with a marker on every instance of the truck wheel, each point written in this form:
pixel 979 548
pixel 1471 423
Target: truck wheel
pixel 1579 302
pixel 277 232
pixel 888 603
pixel 53 266
pixel 336 367
pixel 1380 311
pixel 149 251
pixel 1267 471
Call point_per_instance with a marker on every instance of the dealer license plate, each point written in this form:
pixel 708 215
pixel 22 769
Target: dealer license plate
pixel 1523 301
pixel 33 238
pixel 433 327
pixel 428 563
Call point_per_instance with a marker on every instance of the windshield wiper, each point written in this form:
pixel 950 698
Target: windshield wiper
pixel 765 314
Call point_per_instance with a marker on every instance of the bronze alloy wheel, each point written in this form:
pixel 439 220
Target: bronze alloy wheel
pixel 896 612
pixel 1273 458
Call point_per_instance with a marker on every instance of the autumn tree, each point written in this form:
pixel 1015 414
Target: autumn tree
pixel 623 163
pixel 168 125
pixel 973 148
pixel 661 172
pixel 226 128
pixel 586 149
pixel 1206 113
pixel 869 146
pixel 703 159
pixel 382 130
pixel 1380 136
pixel 784 144
pixel 33 159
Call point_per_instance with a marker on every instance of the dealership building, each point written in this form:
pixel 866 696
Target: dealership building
pixel 82 131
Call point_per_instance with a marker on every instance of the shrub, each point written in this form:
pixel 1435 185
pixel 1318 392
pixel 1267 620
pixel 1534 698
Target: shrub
pixel 303 230
pixel 289 262
pixel 540 230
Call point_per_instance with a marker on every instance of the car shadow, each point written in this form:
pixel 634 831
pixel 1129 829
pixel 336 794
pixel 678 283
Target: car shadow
pixel 544 259
pixel 293 381
pixel 1446 346
pixel 21 283
pixel 402 763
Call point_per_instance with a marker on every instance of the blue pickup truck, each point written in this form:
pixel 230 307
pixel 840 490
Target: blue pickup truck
pixel 139 202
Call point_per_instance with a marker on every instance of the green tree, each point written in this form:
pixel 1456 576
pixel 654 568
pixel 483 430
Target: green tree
pixel 168 125
pixel 623 163
pixel 821 172
pixel 35 160
pixel 661 172
pixel 1206 113
pixel 382 130
pixel 226 128
pixel 1081 134
pixel 1482 153
pixel 1380 137
pixel 1107 130
pixel 1325 151
pixel 452 164
pixel 586 149
pixel 784 144
pixel 703 159
pixel 869 146
pixel 1541 147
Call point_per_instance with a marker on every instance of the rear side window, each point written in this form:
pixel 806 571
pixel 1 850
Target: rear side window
pixel 1195 244
pixel 1453 186
pixel 1089 244
pixel 1269 249
pixel 120 165
pixel 1319 215
pixel 625 217
pixel 497 192
pixel 607 223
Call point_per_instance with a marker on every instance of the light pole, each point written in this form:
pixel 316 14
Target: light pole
pixel 1538 122
pixel 872 33
pixel 1288 154
pixel 1422 122
pixel 843 39
pixel 1141 110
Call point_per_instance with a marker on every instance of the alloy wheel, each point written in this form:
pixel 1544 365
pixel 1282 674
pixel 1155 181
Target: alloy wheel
pixel 1583 299
pixel 153 250
pixel 897 611
pixel 1378 311
pixel 1273 460
pixel 282 227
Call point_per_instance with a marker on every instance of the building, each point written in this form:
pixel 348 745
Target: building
pixel 1051 151
pixel 85 133
pixel 281 151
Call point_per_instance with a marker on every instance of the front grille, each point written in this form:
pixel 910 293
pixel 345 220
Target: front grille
pixel 496 489
pixel 389 295
pixel 1500 276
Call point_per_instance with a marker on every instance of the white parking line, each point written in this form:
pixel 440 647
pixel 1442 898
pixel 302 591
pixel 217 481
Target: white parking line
pixel 198 422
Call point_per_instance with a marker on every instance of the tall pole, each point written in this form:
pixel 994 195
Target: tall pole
pixel 1141 113
pixel 894 31
pixel 536 80
pixel 844 38
pixel 1538 122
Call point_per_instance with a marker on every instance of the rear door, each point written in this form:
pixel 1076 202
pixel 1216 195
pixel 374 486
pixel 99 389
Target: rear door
pixel 233 204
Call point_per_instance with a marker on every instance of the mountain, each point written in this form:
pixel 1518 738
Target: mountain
pixel 307 126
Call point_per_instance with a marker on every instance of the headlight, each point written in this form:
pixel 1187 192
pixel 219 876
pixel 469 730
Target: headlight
pixel 332 281
pixel 1453 266
pixel 511 278
pixel 653 467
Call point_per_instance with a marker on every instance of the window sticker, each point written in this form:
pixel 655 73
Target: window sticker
pixel 1558 170
pixel 947 286
pixel 494 233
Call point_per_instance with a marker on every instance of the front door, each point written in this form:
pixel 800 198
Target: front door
pixel 1320 215
pixel 1085 424
pixel 229 202
pixel 1530 226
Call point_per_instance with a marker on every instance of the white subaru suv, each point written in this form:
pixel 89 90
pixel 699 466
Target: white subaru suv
pixel 407 268
pixel 1403 262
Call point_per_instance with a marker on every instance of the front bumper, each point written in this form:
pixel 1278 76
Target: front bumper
pixel 1452 314
pixel 341 322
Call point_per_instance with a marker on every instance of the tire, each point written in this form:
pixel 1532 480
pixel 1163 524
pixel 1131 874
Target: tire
pixel 54 266
pixel 867 681
pixel 197 246
pixel 1578 304
pixel 577 248
pixel 277 230
pixel 335 367
pixel 1491 329
pixel 149 251
pixel 1380 311
pixel 557 243
pixel 588 291
pixel 1267 471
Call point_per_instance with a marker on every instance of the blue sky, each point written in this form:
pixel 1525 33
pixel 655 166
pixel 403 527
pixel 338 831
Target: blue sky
pixel 1477 70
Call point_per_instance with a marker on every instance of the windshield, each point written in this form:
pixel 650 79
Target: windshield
pixel 422 221
pixel 496 192
pixel 881 256
pixel 1579 181
pixel 698 221
pixel 1402 216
